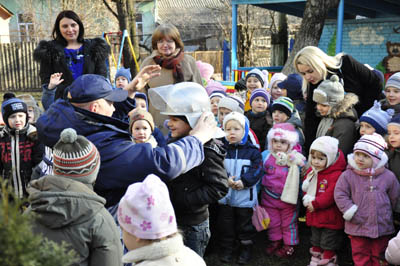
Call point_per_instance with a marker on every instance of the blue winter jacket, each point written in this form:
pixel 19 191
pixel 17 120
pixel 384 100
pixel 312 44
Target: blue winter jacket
pixel 243 160
pixel 122 161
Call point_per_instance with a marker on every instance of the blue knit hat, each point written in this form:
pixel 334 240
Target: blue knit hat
pixel 395 120
pixel 377 118
pixel 293 84
pixel 260 93
pixel 142 96
pixel 283 104
pixel 124 72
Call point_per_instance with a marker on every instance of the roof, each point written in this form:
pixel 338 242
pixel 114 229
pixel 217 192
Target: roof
pixel 9 5
pixel 352 8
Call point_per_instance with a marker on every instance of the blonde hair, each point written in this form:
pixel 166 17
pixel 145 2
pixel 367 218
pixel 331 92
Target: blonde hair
pixel 166 30
pixel 318 60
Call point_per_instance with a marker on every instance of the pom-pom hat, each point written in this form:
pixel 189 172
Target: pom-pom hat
pixel 377 118
pixel 283 131
pixel 329 92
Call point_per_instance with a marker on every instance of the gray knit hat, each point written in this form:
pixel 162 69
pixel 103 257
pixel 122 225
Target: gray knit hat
pixel 393 81
pixel 329 92
pixel 75 157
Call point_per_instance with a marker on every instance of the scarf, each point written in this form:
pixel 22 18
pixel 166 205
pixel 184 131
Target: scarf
pixel 173 62
pixel 310 184
pixel 293 160
pixel 324 126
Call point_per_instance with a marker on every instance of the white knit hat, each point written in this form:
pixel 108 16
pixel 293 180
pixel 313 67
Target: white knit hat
pixel 328 146
pixel 235 116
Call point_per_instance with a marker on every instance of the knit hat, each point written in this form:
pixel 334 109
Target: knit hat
pixel 8 95
pixel 214 86
pixel 373 145
pixel 206 70
pixel 377 118
pixel 329 92
pixel 283 104
pixel 11 106
pixel 328 146
pixel 124 72
pixel 293 85
pixel 276 77
pixel 232 104
pixel 283 131
pixel 240 85
pixel 143 96
pixel 220 94
pixel 258 74
pixel 145 210
pixel 393 81
pixel 395 120
pixel 242 120
pixel 75 157
pixel 260 93
pixel 141 114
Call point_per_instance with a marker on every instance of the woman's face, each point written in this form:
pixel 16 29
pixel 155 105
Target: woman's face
pixel 309 74
pixel 166 46
pixel 69 29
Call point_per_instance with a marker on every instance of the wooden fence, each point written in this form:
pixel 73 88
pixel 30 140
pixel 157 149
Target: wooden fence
pixel 18 70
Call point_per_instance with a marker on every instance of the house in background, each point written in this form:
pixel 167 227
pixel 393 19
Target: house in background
pixel 7 10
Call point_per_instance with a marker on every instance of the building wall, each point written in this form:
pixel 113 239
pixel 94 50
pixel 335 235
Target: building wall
pixel 4 32
pixel 364 39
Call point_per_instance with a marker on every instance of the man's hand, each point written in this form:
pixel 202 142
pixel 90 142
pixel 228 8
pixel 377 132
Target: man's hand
pixel 55 80
pixel 205 128
pixel 142 78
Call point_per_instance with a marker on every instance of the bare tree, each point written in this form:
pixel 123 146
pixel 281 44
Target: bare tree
pixel 279 39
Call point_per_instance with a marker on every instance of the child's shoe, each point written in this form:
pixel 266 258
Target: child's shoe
pixel 328 258
pixel 245 254
pixel 285 251
pixel 316 252
pixel 273 246
pixel 226 256
pixel 314 261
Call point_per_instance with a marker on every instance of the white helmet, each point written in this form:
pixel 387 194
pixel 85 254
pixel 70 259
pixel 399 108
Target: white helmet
pixel 187 99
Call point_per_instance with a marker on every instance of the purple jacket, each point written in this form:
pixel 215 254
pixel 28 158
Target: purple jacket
pixel 375 196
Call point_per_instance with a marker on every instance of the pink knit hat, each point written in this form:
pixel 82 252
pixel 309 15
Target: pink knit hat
pixel 214 86
pixel 145 210
pixel 206 70
pixel 283 131
pixel 374 146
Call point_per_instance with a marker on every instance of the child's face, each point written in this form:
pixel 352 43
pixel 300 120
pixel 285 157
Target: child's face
pixel 259 105
pixel 366 129
pixel 234 131
pixel 280 145
pixel 141 131
pixel 178 127
pixel 318 160
pixel 392 95
pixel 222 112
pixel 17 120
pixel 277 92
pixel 214 105
pixel 363 161
pixel 121 82
pixel 31 114
pixel 279 117
pixel 253 83
pixel 131 242
pixel 323 109
pixel 141 104
pixel 394 135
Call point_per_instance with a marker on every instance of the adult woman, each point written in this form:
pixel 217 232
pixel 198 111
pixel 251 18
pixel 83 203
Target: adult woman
pixel 176 66
pixel 68 56
pixel 315 66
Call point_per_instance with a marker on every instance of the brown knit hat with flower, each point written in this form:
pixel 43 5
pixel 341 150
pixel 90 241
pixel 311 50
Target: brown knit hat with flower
pixel 141 114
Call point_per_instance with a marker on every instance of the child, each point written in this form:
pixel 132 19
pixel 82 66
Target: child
pixel 243 164
pixel 293 86
pixel 283 112
pixel 141 101
pixel 281 188
pixel 149 229
pixel 192 191
pixel 19 146
pixel 141 126
pixel 276 91
pixel 366 194
pixel 337 112
pixel 122 78
pixel 255 79
pixel 375 120
pixel 215 98
pixel 34 110
pixel 214 86
pixel 326 165
pixel 259 117
pixel 392 93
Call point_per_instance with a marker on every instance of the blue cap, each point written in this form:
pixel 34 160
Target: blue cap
pixel 90 87
pixel 293 84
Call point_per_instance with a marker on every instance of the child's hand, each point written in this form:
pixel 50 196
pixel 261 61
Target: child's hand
pixel 55 80
pixel 231 182
pixel 239 185
pixel 310 208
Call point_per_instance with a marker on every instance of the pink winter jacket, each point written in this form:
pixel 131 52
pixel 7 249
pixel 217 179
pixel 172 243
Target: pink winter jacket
pixel 393 250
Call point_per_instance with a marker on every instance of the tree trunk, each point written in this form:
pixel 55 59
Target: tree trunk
pixel 314 16
pixel 279 42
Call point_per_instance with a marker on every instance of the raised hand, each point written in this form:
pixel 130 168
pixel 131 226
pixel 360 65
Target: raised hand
pixel 55 80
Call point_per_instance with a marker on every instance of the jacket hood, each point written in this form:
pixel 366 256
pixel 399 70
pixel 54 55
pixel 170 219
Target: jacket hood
pixel 246 132
pixel 338 165
pixel 345 108
pixel 61 202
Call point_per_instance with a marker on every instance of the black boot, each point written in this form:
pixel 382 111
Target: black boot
pixel 245 254
pixel 226 256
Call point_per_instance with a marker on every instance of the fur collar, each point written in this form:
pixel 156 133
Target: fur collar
pixel 345 107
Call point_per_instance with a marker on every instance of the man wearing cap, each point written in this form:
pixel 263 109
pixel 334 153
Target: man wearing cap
pixel 88 110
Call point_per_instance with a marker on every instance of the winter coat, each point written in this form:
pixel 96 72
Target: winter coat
pixel 392 253
pixel 260 123
pixel 193 191
pixel 295 120
pixel 20 152
pixel 69 211
pixel 190 73
pixel 122 161
pixel 394 161
pixel 51 56
pixel 243 161
pixel 167 252
pixel 375 195
pixel 344 125
pixel 326 214
pixel 358 79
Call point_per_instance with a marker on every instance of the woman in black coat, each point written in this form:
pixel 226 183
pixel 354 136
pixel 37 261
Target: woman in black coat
pixel 68 56
pixel 315 66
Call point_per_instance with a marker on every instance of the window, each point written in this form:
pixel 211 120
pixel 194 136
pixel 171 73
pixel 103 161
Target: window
pixel 139 27
pixel 25 27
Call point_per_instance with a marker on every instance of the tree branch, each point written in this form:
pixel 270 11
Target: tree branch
pixel 110 9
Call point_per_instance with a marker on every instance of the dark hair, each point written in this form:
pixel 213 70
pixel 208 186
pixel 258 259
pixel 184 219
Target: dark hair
pixel 56 30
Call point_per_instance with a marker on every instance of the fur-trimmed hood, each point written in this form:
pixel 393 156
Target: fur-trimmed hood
pixel 345 108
